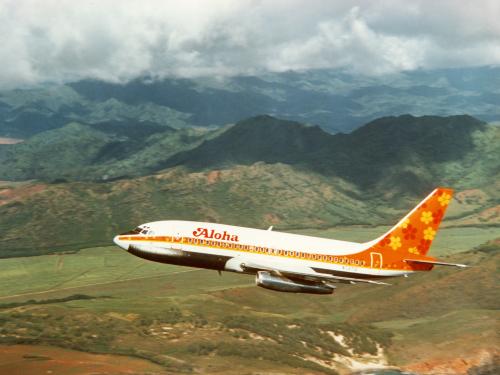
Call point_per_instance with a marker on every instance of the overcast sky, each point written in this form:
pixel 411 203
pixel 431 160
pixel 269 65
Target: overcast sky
pixel 46 40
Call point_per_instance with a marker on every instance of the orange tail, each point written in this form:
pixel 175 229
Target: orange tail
pixel 412 236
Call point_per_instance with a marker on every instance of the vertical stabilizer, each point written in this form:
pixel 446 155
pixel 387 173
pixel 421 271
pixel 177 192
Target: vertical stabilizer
pixel 414 233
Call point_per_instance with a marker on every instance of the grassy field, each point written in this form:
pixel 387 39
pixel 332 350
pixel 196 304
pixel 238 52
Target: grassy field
pixel 110 265
pixel 182 320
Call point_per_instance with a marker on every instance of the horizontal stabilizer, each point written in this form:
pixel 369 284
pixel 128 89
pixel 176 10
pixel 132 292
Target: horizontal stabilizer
pixel 435 262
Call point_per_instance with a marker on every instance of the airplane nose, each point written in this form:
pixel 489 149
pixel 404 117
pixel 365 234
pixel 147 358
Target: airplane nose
pixel 120 243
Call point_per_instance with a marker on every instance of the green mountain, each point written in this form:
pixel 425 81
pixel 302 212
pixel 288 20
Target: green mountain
pixel 261 138
pixel 53 153
pixel 403 154
pixel 96 152
pixel 261 171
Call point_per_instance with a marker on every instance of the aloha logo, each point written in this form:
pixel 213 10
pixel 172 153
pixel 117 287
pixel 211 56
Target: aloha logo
pixel 212 234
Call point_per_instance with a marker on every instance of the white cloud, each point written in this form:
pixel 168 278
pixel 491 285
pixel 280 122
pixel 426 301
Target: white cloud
pixel 48 40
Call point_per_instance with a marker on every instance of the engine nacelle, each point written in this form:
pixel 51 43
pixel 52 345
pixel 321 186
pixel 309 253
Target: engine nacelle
pixel 264 279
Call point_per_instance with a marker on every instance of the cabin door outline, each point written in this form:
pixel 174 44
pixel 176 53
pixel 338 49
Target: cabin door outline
pixel 376 260
pixel 177 242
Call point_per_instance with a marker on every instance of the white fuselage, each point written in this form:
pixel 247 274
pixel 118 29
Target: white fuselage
pixel 230 248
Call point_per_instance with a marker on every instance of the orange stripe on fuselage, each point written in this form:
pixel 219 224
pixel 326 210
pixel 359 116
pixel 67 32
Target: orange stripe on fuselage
pixel 361 259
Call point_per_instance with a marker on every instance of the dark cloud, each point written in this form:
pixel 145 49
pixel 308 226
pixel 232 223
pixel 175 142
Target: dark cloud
pixel 120 40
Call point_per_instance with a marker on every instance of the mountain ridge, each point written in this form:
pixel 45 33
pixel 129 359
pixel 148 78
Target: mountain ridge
pixel 419 147
pixel 260 170
pixel 335 100
pixel 132 149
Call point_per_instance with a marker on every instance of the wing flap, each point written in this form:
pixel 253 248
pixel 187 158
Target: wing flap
pixel 436 263
pixel 308 276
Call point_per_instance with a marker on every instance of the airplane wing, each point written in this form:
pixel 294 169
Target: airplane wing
pixel 436 263
pixel 307 276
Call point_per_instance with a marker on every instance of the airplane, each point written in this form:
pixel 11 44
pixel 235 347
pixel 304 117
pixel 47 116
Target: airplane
pixel 294 263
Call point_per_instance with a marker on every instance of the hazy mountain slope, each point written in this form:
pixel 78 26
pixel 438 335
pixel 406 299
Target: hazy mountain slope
pixel 336 100
pixel 101 151
pixel 333 99
pixel 56 153
pixel 25 112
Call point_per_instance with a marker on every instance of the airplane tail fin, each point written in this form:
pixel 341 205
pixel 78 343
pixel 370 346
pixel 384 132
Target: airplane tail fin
pixel 412 236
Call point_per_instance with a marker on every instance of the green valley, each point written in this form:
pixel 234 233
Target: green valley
pixel 186 320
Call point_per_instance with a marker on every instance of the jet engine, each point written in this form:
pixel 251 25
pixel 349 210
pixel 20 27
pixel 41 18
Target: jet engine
pixel 265 279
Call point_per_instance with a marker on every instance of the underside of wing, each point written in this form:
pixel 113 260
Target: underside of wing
pixel 313 276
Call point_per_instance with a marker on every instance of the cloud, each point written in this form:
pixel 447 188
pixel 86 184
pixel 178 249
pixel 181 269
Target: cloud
pixel 59 41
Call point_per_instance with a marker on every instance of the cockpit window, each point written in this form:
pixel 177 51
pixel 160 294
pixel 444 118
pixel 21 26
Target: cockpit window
pixel 145 230
pixel 133 231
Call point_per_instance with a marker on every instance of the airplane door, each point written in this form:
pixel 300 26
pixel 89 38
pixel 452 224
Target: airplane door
pixel 376 260
pixel 177 242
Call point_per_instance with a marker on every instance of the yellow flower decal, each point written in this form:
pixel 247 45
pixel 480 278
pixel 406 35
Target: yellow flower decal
pixel 426 217
pixel 413 250
pixel 405 223
pixel 395 242
pixel 444 199
pixel 429 234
